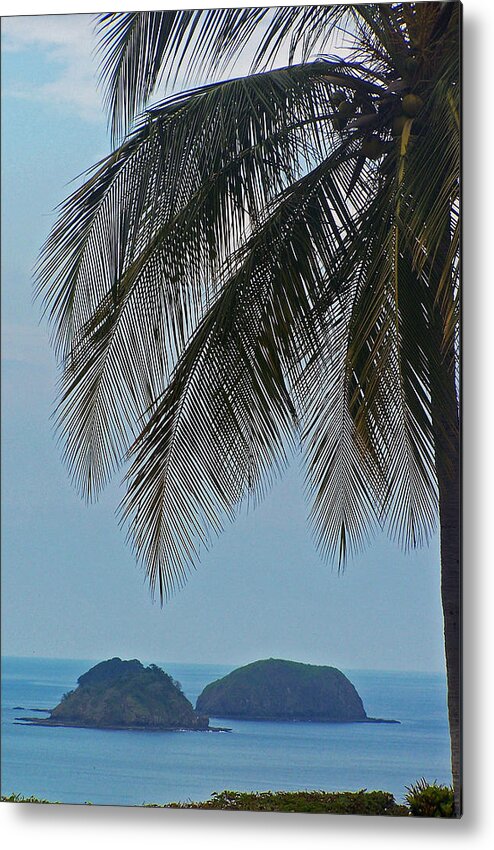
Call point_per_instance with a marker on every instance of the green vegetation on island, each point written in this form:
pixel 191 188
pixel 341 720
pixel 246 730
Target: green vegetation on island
pixel 118 694
pixel 274 689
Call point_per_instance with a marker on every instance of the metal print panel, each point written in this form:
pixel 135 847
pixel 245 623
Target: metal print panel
pixel 252 297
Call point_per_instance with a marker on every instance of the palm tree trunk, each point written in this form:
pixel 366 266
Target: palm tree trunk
pixel 445 423
pixel 449 508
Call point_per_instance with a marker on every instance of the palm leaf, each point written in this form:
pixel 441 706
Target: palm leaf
pixel 138 49
pixel 134 261
pixel 238 277
pixel 230 414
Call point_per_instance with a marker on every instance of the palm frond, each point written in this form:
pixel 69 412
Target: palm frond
pixel 230 413
pixel 135 258
pixel 251 271
pixel 138 49
pixel 368 438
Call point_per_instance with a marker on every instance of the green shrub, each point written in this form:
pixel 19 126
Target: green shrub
pixel 317 802
pixel 430 801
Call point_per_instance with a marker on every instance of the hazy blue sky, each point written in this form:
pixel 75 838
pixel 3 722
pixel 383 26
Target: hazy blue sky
pixel 70 587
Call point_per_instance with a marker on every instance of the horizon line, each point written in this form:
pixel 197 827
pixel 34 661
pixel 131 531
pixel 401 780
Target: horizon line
pixel 434 671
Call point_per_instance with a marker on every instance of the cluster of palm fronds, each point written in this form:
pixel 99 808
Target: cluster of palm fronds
pixel 238 278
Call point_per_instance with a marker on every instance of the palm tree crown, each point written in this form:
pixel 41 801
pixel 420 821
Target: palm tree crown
pixel 266 263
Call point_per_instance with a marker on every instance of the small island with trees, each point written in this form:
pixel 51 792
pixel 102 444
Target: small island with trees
pixel 118 694
pixel 274 689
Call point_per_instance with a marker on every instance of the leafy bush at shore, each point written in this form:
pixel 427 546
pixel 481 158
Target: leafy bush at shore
pixel 430 801
pixel 316 802
pixel 423 800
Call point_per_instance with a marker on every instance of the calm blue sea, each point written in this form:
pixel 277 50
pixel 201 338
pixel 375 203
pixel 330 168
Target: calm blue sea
pixel 136 767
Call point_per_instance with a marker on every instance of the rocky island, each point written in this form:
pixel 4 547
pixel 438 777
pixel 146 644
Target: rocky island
pixel 118 694
pixel 274 689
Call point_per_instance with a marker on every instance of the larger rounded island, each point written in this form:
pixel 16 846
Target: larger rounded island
pixel 274 689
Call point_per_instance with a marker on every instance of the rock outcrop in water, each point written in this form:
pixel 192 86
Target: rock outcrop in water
pixel 118 694
pixel 274 689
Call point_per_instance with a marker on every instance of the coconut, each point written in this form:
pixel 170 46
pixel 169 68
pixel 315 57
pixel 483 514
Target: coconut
pixel 345 108
pixel 372 147
pixel 411 105
pixel 337 122
pixel 337 97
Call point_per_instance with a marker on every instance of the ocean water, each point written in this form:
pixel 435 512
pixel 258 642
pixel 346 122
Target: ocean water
pixel 136 767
